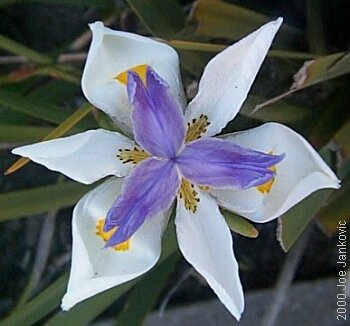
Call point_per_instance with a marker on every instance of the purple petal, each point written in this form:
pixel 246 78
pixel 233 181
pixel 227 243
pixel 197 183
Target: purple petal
pixel 147 191
pixel 157 118
pixel 222 164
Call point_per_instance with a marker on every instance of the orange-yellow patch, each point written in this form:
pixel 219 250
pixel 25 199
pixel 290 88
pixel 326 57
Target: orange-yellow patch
pixel 265 188
pixel 124 246
pixel 196 128
pixel 135 155
pixel 189 195
pixel 140 70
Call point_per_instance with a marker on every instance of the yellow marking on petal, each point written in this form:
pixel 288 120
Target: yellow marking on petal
pixel 140 70
pixel 124 246
pixel 189 195
pixel 196 128
pixel 204 188
pixel 265 188
pixel 134 156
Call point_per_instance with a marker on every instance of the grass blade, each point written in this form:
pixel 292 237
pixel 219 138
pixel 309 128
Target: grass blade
pixel 17 48
pixel 40 306
pixel 24 203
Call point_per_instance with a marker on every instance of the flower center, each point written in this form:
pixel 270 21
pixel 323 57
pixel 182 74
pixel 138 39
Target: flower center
pixel 124 246
pixel 196 128
pixel 189 195
pixel 134 156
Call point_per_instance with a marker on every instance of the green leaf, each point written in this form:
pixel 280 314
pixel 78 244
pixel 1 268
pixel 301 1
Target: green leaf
pixel 8 117
pixel 215 48
pixel 43 110
pixel 40 306
pixel 34 108
pixel 278 112
pixel 22 133
pixel 38 200
pixel 223 20
pixel 333 114
pixel 314 72
pixel 17 48
pixel 239 224
pixel 337 210
pixel 342 139
pixel 326 68
pixel 293 223
pixel 163 18
pixel 83 313
pixel 96 3
pixel 145 294
pixel 59 72
pixel 55 91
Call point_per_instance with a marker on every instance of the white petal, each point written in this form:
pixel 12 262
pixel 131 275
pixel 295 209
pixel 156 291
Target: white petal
pixel 95 269
pixel 205 241
pixel 228 77
pixel 299 174
pixel 84 157
pixel 112 52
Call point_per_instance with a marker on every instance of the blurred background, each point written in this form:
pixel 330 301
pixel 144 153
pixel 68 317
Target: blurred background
pixel 303 83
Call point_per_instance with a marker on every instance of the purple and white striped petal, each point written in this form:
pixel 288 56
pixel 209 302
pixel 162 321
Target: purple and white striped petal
pixel 221 164
pixel 147 191
pixel 301 173
pixel 157 117
pixel 95 270
pixel 113 52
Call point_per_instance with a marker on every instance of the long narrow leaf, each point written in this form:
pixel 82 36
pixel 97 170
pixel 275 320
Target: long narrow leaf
pixel 38 200
pixel 224 20
pixel 34 108
pixel 163 18
pixel 22 133
pixel 145 294
pixel 17 48
pixel 40 306
pixel 239 224
pixel 294 222
pixel 314 72
pixel 209 47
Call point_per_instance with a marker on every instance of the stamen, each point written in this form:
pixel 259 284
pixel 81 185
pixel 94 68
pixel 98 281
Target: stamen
pixel 265 188
pixel 196 128
pixel 124 246
pixel 134 156
pixel 140 70
pixel 189 195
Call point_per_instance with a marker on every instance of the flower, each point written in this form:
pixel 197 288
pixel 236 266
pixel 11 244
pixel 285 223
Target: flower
pixel 259 173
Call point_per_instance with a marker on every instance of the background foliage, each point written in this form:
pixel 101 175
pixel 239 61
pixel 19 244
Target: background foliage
pixel 43 45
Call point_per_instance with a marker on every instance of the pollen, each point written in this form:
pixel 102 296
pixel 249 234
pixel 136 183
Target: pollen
pixel 189 195
pixel 124 246
pixel 134 156
pixel 265 188
pixel 196 128
pixel 140 70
